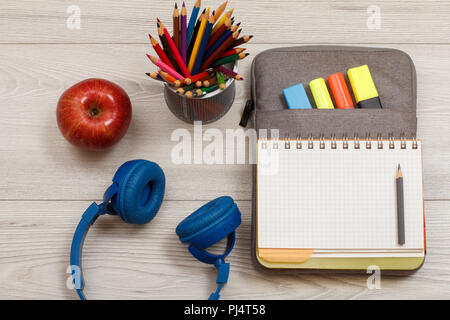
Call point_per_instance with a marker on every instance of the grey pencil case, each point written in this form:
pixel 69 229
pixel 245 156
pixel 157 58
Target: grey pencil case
pixel 393 73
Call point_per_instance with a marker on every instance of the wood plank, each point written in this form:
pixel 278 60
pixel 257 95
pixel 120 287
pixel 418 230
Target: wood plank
pixel 148 262
pixel 37 163
pixel 300 21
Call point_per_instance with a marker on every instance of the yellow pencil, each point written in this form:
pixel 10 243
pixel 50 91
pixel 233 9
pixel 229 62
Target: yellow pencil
pixel 198 40
pixel 224 19
pixel 220 10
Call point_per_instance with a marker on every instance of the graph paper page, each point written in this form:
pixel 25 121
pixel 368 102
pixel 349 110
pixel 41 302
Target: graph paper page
pixel 337 198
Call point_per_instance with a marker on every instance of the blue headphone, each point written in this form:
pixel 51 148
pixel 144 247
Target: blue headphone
pixel 136 196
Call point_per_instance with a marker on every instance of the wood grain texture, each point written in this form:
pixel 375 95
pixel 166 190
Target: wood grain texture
pixel 44 21
pixel 34 154
pixel 128 262
pixel 45 184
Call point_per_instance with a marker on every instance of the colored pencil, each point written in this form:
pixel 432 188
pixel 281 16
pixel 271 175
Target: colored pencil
pixel 202 48
pixel 240 41
pixel 225 18
pixel 214 37
pixel 232 51
pixel 194 36
pixel 220 10
pixel 210 89
pixel 219 51
pixel 192 22
pixel 194 58
pixel 160 52
pixel 221 40
pixel 165 67
pixel 229 59
pixel 229 72
pixel 183 43
pixel 199 76
pixel 171 80
pixel 155 76
pixel 167 77
pixel 175 52
pixel 209 82
pixel 198 93
pixel 167 49
pixel 189 94
pixel 176 27
pixel 198 40
pixel 220 80
pixel 184 89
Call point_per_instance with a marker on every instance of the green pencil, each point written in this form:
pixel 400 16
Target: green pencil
pixel 184 89
pixel 220 80
pixel 229 59
pixel 210 89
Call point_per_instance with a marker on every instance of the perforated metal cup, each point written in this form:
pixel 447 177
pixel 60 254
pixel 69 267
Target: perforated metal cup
pixel 208 108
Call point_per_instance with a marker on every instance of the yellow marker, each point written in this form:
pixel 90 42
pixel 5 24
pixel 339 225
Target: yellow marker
pixel 321 94
pixel 364 89
pixel 201 31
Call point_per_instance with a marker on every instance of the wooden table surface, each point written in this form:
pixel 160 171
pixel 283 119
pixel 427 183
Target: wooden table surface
pixel 45 183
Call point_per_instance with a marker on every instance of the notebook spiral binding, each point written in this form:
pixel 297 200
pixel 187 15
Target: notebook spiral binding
pixel 355 142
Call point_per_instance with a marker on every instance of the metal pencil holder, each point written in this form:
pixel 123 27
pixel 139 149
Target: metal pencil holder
pixel 208 108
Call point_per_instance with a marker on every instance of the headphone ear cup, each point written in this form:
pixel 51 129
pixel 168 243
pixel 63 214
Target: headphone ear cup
pixel 209 216
pixel 141 186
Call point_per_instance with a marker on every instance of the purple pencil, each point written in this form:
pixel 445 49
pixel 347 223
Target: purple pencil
pixel 183 45
pixel 229 72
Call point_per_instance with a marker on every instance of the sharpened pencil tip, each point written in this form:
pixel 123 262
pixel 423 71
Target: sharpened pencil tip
pixel 399 172
pixel 176 6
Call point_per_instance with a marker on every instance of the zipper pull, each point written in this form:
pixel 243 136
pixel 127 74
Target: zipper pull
pixel 249 107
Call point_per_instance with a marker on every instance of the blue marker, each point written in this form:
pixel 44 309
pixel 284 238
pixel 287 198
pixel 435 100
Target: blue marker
pixel 296 97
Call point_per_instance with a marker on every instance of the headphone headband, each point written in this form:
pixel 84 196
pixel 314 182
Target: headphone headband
pixel 87 220
pixel 136 196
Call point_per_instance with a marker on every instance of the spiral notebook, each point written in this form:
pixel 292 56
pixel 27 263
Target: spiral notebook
pixel 332 204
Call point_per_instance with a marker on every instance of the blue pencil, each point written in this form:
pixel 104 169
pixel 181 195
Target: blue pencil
pixel 192 22
pixel 203 44
pixel 221 40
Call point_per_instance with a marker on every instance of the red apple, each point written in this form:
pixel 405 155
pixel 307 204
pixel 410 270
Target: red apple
pixel 94 114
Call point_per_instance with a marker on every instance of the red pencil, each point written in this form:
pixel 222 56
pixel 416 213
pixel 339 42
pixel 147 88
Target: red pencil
pixel 160 52
pixel 175 52
pixel 199 76
pixel 223 47
pixel 219 33
pixel 232 52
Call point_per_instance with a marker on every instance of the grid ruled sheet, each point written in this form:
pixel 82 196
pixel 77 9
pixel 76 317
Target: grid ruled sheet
pixel 338 198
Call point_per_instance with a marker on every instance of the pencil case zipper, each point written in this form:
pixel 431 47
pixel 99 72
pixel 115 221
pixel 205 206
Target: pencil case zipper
pixel 248 110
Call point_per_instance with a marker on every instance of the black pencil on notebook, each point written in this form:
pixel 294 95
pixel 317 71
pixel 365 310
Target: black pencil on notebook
pixel 400 207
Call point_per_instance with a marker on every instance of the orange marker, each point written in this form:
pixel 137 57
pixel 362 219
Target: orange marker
pixel 340 91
